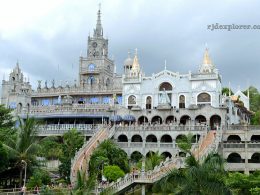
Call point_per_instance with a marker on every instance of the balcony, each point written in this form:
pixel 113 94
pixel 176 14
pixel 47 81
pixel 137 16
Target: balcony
pixel 161 128
pixel 74 109
pixel 58 130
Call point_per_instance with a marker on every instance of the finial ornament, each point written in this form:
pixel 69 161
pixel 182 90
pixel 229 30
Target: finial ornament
pixel 165 65
pixel 136 51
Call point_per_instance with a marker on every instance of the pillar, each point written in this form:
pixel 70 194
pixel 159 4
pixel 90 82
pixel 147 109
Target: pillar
pixel 143 189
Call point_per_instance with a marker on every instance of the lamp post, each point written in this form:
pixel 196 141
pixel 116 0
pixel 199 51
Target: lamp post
pixel 25 163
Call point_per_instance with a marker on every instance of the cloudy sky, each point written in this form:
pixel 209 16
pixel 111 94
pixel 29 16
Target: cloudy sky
pixel 44 35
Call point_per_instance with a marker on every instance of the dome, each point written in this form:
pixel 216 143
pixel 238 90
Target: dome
pixel 128 62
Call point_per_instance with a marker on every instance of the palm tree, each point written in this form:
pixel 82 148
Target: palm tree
pixel 153 160
pixel 198 178
pixel 84 185
pixel 24 145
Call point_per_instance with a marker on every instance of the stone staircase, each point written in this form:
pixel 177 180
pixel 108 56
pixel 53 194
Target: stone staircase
pixel 209 143
pixel 82 157
pixel 148 177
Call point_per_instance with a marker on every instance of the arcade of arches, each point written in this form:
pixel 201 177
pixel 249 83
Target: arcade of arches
pixel 214 121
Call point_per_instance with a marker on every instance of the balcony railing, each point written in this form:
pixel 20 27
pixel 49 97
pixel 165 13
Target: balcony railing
pixel 242 127
pixel 70 109
pixel 161 128
pixel 241 145
pixel 86 129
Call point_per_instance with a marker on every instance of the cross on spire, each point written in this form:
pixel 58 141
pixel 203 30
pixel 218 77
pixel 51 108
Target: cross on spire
pixel 98 32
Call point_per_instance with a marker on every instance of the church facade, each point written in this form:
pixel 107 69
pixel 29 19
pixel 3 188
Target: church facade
pixel 150 113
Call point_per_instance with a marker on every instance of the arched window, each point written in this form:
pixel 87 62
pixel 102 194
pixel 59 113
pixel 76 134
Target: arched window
pixel 204 98
pixel 107 82
pixel 149 102
pixel 165 86
pixel 131 100
pixel 182 101
pixel 91 80
pixel 91 67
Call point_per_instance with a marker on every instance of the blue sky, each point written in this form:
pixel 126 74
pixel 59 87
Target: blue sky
pixel 45 35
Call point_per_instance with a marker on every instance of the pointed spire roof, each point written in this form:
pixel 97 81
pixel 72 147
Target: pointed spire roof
pixel 98 32
pixel 136 65
pixel 206 58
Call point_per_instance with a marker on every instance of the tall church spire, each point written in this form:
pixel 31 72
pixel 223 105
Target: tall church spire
pixel 136 66
pixel 98 32
pixel 207 66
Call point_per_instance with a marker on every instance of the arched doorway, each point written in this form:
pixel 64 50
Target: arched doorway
pixel 255 158
pixel 148 104
pixel 233 138
pixel 142 120
pixel 170 119
pixel 149 154
pixel 122 138
pixel 166 155
pixel 136 138
pixel 19 107
pixel 200 119
pixel 181 137
pixel 166 139
pixel 182 154
pixel 255 138
pixel 151 138
pixel 215 122
pixel 136 156
pixel 156 120
pixel 185 120
pixel 234 158
pixel 195 138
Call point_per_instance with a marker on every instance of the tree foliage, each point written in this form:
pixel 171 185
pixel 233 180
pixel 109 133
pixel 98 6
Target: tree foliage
pixel 72 141
pixel 242 184
pixel 113 172
pixel 6 124
pixel 51 149
pixel 3 158
pixel 24 145
pixel 84 185
pixel 108 153
pixel 39 178
pixel 198 177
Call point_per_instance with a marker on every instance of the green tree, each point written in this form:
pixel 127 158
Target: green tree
pixel 6 124
pixel 39 178
pixel 3 158
pixel 113 172
pixel 72 141
pixel 153 160
pixel 24 145
pixel 84 185
pixel 108 153
pixel 51 148
pixel 256 118
pixel 241 184
pixel 198 177
pixel 225 90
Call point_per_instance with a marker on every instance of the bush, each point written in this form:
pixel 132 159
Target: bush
pixel 112 173
pixel 39 178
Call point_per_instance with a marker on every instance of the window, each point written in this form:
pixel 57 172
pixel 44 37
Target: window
pixel 204 98
pixel 91 80
pixel 182 101
pixel 132 99
pixel 165 86
pixel 148 102
pixel 91 67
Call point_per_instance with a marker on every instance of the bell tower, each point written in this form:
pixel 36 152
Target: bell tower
pixel 96 68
